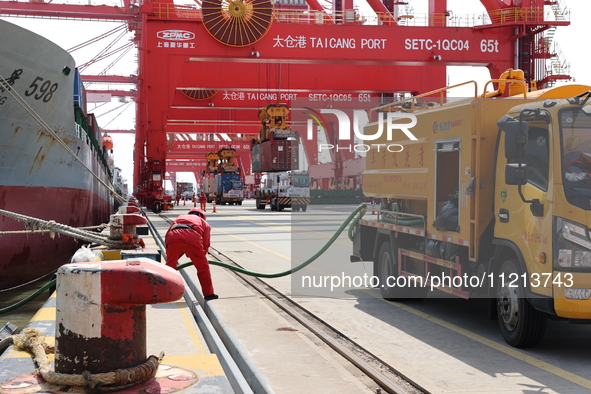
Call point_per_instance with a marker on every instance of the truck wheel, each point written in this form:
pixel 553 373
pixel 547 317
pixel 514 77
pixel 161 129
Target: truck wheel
pixel 390 286
pixel 521 324
pixel 387 267
pixel 304 207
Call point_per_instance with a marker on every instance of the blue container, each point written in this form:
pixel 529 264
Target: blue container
pixel 79 92
pixel 225 181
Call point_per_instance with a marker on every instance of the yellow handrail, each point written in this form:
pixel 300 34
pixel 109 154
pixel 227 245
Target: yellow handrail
pixel 387 107
pixel 499 92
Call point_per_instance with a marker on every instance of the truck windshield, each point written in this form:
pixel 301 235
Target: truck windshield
pixel 301 181
pixel 575 127
pixel 237 185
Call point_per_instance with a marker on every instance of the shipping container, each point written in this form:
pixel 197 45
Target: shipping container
pixel 79 92
pixel 275 156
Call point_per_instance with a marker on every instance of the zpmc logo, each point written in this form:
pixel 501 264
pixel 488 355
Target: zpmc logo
pixel 360 119
pixel 175 35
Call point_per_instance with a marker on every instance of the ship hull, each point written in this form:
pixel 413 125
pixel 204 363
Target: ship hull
pixel 52 177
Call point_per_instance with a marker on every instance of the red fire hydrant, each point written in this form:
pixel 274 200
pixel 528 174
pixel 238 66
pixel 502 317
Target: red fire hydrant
pixel 101 312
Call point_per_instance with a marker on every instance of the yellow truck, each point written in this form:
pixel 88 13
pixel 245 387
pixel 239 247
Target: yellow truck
pixel 488 196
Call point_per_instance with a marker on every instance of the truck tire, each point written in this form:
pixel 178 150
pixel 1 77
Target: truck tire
pixel 259 205
pixel 304 207
pixel 521 324
pixel 387 267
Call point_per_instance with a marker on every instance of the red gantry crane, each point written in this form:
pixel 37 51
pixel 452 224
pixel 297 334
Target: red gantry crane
pixel 209 68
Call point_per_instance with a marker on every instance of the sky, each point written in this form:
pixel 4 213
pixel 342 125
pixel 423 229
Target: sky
pixel 121 115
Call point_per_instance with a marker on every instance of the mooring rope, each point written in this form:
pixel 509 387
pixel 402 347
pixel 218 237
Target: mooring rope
pixel 36 231
pixel 8 88
pixel 120 379
pixel 53 227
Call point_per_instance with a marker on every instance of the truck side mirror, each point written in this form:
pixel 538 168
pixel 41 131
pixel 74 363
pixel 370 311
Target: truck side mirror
pixel 515 175
pixel 515 137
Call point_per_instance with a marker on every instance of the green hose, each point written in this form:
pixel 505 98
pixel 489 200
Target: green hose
pixel 401 221
pixel 29 298
pixel 362 208
pixel 354 223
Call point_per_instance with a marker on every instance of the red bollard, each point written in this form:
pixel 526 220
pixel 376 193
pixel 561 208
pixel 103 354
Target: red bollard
pixel 128 209
pixel 101 312
pixel 126 224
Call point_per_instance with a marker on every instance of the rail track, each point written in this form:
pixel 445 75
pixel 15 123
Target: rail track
pixel 374 372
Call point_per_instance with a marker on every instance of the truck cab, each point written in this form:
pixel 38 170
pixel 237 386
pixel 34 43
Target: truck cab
pixel 287 189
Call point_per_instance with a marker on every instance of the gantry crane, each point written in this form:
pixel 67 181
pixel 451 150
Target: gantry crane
pixel 202 69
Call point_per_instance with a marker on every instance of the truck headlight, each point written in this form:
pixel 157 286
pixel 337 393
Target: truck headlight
pixel 572 244
pixel 582 259
pixel 565 258
pixel 575 233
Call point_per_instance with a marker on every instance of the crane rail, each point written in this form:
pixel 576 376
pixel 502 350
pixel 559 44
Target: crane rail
pixel 386 377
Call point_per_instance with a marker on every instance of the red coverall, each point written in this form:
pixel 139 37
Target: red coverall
pixel 193 242
pixel 203 201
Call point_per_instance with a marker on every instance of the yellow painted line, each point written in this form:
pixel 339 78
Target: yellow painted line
pixel 21 354
pixel 205 365
pixel 189 323
pixel 492 344
pixel 47 313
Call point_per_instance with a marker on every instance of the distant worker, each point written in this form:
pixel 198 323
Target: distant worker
pixel 203 201
pixel 190 235
pixel 178 198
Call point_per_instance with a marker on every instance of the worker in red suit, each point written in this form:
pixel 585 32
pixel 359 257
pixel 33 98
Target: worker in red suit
pixel 203 201
pixel 190 235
